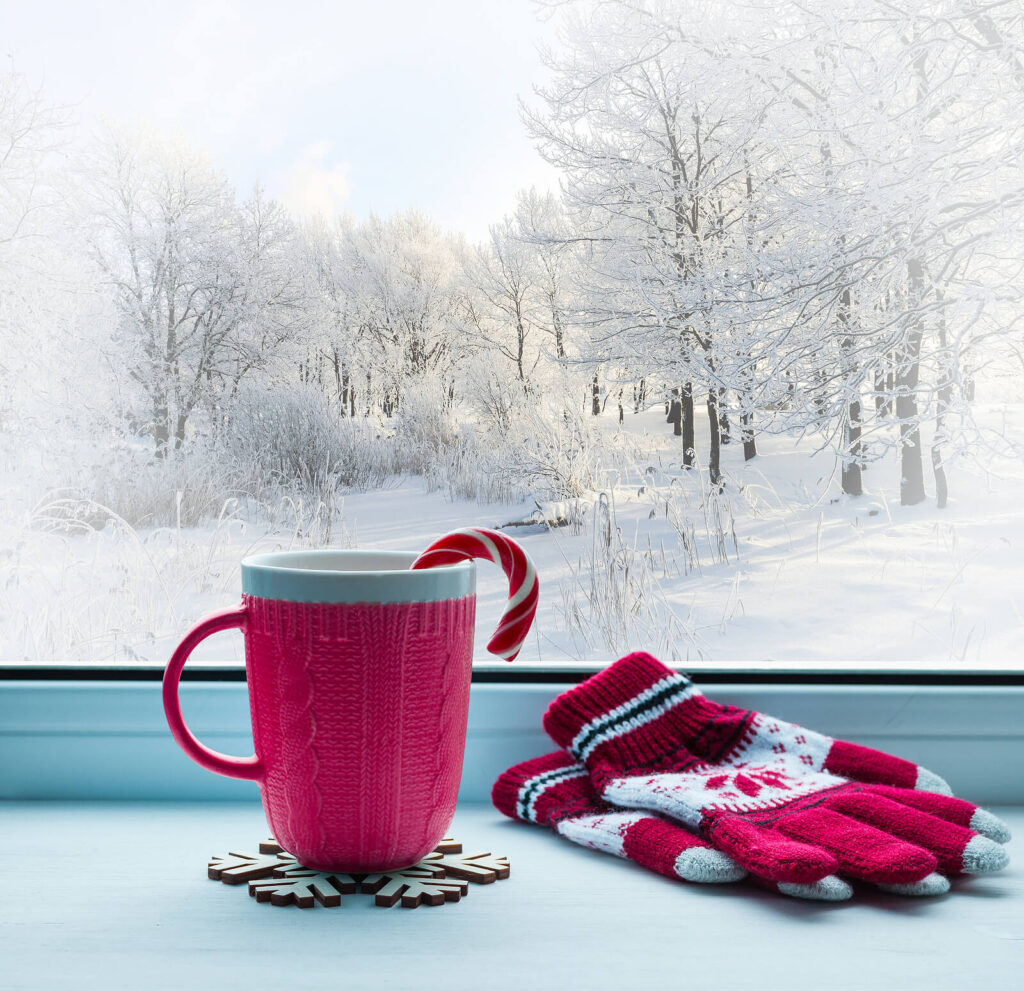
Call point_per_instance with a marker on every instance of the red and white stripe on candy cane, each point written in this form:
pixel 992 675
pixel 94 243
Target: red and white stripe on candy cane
pixel 490 545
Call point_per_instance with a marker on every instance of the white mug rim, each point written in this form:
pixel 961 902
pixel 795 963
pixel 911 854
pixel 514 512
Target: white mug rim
pixel 298 576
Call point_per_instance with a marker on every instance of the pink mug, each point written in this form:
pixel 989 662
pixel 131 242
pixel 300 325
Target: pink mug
pixel 358 672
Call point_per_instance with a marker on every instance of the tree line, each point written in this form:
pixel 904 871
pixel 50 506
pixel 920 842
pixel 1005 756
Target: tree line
pixel 802 217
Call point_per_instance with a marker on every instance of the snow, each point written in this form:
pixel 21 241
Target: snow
pixel 812 579
pixel 826 581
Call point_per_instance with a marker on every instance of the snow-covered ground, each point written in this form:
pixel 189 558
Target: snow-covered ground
pixel 780 570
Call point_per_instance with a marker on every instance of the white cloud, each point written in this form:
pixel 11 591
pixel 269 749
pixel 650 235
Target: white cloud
pixel 310 186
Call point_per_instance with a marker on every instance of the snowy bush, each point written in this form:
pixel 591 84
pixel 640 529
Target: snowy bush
pixel 425 427
pixel 471 468
pixel 141 490
pixel 296 439
pixel 553 452
pixel 75 592
pixel 510 450
pixel 613 600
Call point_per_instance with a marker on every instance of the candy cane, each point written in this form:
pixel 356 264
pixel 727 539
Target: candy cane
pixel 477 542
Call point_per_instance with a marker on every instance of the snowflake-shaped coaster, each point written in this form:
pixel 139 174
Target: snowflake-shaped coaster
pixel 275 876
pixel 299 886
pixel 240 866
pixel 413 887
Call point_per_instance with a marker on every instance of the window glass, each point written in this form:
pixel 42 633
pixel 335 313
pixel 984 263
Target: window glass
pixel 716 308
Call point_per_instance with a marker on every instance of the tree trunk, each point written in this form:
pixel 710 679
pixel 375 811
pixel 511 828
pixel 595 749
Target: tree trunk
pixel 883 407
pixel 942 406
pixel 723 419
pixel 852 481
pixel 689 447
pixel 939 471
pixel 595 397
pixel 715 453
pixel 908 375
pixel 521 344
pixel 556 320
pixel 675 417
pixel 339 385
pixel 345 389
pixel 161 427
pixel 179 430
pixel 749 440
pixel 911 466
pixel 851 474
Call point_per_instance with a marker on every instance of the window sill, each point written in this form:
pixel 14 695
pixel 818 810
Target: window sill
pixel 109 740
pixel 104 894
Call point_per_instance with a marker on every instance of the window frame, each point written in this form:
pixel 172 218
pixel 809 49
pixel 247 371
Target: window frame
pixel 100 733
pixel 770 673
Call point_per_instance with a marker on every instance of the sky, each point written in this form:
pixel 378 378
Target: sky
pixel 346 106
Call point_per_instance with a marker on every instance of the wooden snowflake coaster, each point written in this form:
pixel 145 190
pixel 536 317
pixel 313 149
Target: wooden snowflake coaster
pixel 277 877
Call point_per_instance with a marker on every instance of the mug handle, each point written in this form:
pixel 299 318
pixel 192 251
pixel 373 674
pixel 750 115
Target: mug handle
pixel 247 768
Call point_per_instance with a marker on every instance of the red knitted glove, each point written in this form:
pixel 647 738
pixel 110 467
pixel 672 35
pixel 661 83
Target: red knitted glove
pixel 555 791
pixel 790 805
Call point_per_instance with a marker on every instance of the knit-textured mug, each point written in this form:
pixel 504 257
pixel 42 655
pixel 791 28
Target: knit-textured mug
pixel 358 672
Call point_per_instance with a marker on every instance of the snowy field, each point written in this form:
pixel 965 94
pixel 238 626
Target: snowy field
pixel 780 570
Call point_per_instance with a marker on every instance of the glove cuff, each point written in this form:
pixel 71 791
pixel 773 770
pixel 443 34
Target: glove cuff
pixel 631 714
pixel 545 790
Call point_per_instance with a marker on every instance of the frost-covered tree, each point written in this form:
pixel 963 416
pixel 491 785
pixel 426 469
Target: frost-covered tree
pixel 31 139
pixel 33 213
pixel 566 369
pixel 541 222
pixel 904 193
pixel 334 351
pixel 401 281
pixel 834 215
pixel 506 277
pixel 653 167
pixel 205 290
